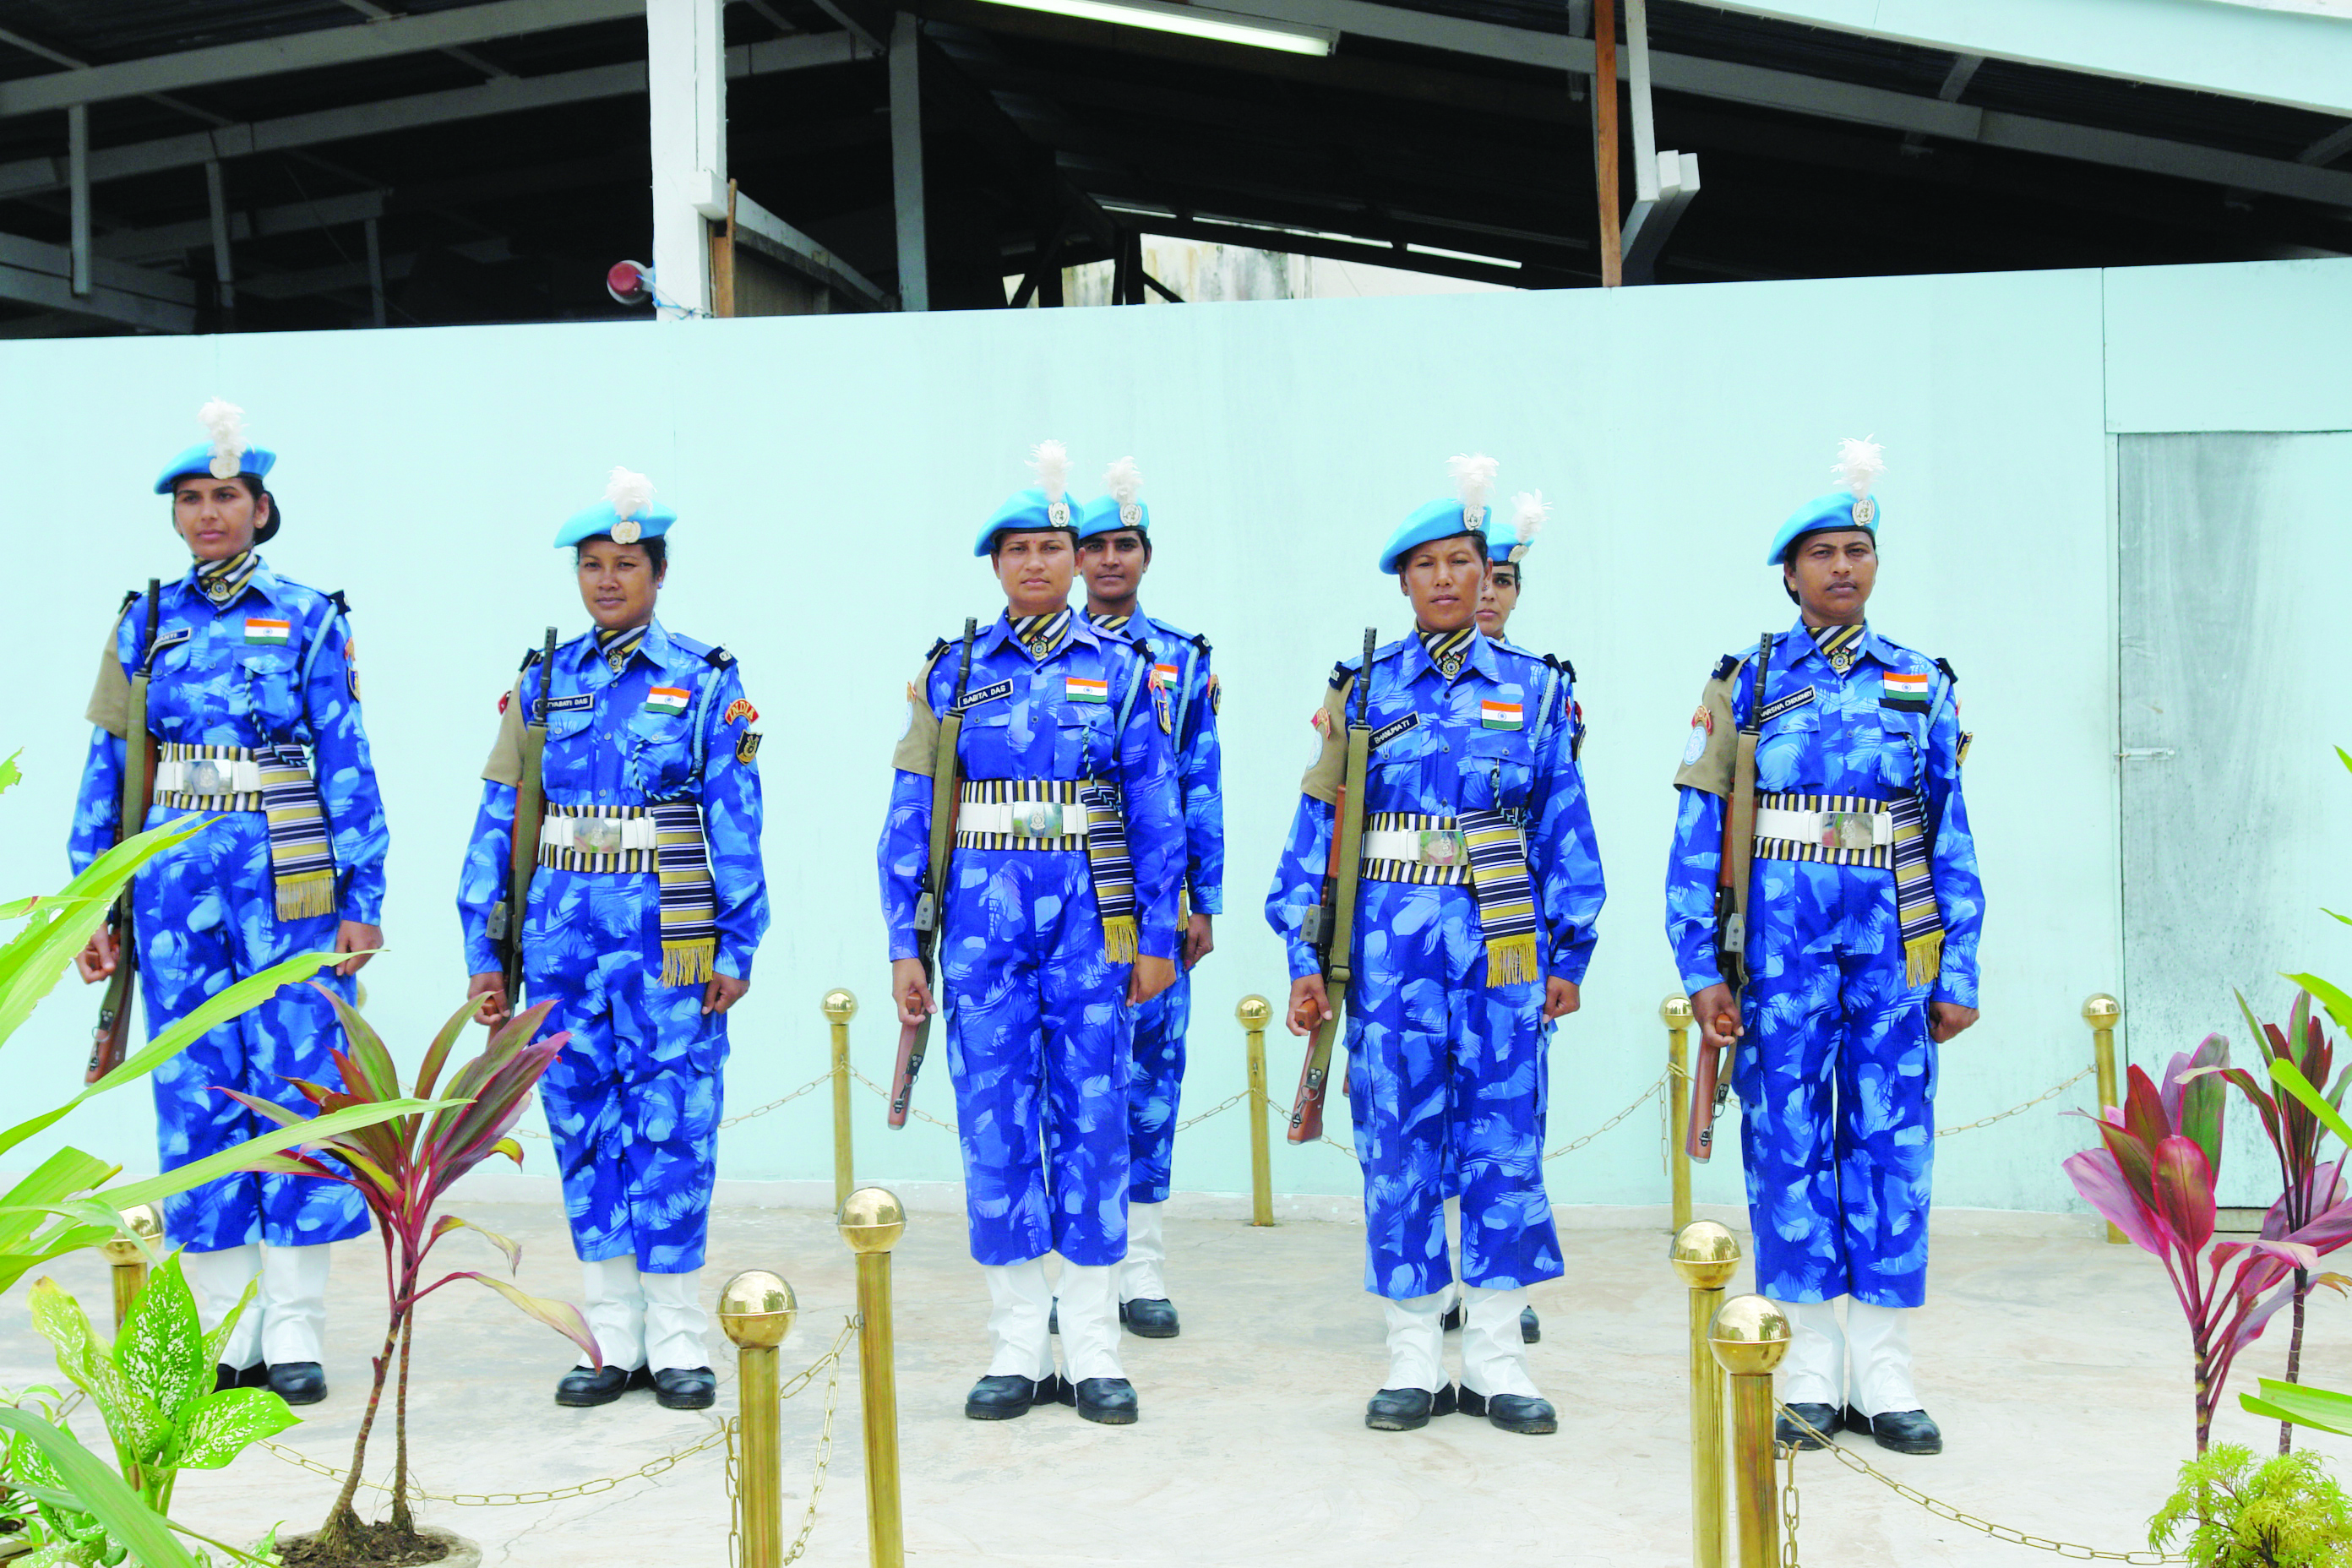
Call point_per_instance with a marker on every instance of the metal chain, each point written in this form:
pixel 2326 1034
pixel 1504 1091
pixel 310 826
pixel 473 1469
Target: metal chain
pixel 1789 1509
pixel 917 1111
pixel 1226 1105
pixel 823 1077
pixel 646 1471
pixel 2046 1094
pixel 1941 1510
pixel 1569 1148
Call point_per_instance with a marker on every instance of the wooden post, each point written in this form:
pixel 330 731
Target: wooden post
pixel 722 260
pixel 1604 149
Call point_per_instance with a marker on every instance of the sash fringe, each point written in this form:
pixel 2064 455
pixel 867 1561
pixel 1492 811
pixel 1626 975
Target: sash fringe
pixel 1511 960
pixel 311 893
pixel 688 962
pixel 1119 939
pixel 1923 959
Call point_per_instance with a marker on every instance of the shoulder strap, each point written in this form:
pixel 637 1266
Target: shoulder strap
pixel 342 612
pixel 1184 693
pixel 1127 704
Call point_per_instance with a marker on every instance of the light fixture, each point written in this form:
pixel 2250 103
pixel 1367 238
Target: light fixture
pixel 1191 22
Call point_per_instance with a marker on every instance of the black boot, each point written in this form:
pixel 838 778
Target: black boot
pixel 1109 1400
pixel 1407 1409
pixel 1149 1320
pixel 299 1381
pixel 1821 1419
pixel 1530 1326
pixel 226 1376
pixel 582 1387
pixel 686 1388
pixel 999 1396
pixel 1512 1412
pixel 1902 1431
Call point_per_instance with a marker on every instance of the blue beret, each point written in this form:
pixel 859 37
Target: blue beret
pixel 1836 510
pixel 1104 515
pixel 1504 546
pixel 1027 511
pixel 198 459
pixel 652 521
pixel 1438 519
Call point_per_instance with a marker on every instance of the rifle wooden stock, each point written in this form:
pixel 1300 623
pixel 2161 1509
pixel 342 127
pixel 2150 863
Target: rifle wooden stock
pixel 109 1042
pixel 1336 916
pixel 1710 1084
pixel 931 911
pixel 522 845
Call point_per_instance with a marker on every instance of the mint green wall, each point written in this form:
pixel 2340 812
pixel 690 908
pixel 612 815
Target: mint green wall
pixel 831 471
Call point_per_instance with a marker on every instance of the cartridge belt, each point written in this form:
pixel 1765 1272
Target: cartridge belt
pixel 207 778
pixel 1022 814
pixel 1831 829
pixel 610 838
pixel 1410 847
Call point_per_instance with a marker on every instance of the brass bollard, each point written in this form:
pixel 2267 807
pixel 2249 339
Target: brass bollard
pixel 756 1308
pixel 1706 1255
pixel 1253 1013
pixel 840 1007
pixel 1748 1337
pixel 129 1263
pixel 2101 1012
pixel 871 1222
pixel 1674 1012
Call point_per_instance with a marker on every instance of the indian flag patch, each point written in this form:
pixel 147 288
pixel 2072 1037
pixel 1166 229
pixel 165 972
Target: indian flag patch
pixel 1085 689
pixel 1906 692
pixel 667 700
pixel 260 633
pixel 1164 674
pixel 1497 715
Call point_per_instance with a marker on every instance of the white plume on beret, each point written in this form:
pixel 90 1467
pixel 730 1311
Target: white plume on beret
pixel 1529 512
pixel 1050 461
pixel 224 422
pixel 1124 480
pixel 1859 463
pixel 629 492
pixel 1473 475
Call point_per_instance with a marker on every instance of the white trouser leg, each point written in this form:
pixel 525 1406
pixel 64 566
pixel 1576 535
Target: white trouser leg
pixel 677 1327
pixel 218 1280
pixel 1494 1356
pixel 1453 1291
pixel 1813 1372
pixel 1139 1278
pixel 615 1310
pixel 294 1303
pixel 1880 1338
pixel 1417 1343
pixel 1090 1298
pixel 1019 1301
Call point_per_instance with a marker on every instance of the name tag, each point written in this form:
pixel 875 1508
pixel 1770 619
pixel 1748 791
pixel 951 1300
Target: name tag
pixel 1390 732
pixel 170 639
pixel 564 704
pixel 1788 704
pixel 989 694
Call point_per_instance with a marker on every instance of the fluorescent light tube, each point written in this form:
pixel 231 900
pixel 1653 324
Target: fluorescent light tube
pixel 1193 22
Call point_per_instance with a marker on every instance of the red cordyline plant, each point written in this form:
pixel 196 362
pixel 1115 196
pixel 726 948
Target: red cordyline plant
pixel 401 1168
pixel 2153 1177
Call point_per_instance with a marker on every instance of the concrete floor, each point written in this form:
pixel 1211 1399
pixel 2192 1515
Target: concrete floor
pixel 2056 1364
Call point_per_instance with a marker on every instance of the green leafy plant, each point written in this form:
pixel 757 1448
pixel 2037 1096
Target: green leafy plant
pixel 400 1167
pixel 2289 1513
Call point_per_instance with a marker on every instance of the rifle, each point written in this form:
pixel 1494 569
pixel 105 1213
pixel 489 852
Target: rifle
pixel 1712 1087
pixel 915 1039
pixel 1332 923
pixel 111 1040
pixel 522 846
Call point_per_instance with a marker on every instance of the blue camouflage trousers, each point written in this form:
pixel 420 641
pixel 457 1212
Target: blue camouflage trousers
pixel 1445 1074
pixel 1038 1034
pixel 633 1100
pixel 1837 1080
pixel 206 916
pixel 1155 1087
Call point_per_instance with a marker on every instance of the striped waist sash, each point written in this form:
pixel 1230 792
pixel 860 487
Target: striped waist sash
pixel 664 838
pixel 1485 849
pixel 274 781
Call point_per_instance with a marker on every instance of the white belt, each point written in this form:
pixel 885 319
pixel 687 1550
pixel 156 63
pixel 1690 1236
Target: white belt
pixel 1829 829
pixel 1416 847
pixel 596 834
pixel 1025 818
pixel 208 776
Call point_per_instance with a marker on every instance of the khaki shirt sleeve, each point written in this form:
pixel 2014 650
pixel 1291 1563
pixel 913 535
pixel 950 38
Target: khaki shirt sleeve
pixel 109 700
pixel 918 748
pixel 505 765
pixel 1711 769
pixel 1330 765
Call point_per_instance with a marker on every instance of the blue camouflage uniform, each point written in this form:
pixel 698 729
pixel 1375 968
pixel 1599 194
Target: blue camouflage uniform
pixel 1443 1067
pixel 1181 662
pixel 1038 1029
pixel 262 662
pixel 1836 1073
pixel 643 720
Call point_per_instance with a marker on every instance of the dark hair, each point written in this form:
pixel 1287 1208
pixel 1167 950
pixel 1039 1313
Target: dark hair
pixel 656 546
pixel 1519 572
pixel 1142 537
pixel 996 540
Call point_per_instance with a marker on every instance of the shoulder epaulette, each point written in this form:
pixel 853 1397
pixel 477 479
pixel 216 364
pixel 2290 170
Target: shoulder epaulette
pixel 129 599
pixel 1200 642
pixel 717 657
pixel 1341 674
pixel 937 649
pixel 342 606
pixel 1566 667
pixel 1950 673
pixel 1724 666
pixel 529 659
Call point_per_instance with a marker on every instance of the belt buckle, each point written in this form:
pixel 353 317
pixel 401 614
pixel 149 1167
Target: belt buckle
pixel 1846 830
pixel 207 775
pixel 1440 847
pixel 1038 819
pixel 596 834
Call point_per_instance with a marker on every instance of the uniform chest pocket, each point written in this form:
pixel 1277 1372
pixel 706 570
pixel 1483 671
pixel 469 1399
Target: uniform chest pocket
pixel 662 748
pixel 1497 769
pixel 1786 754
pixel 271 684
pixel 1082 741
pixel 985 749
pixel 1402 745
pixel 1899 746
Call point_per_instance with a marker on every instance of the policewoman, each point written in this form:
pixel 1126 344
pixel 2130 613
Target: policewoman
pixel 1114 553
pixel 1863 917
pixel 254 703
pixel 1480 887
pixel 646 905
pixel 1058 920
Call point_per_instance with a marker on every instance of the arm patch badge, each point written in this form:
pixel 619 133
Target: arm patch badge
pixel 742 708
pixel 352 665
pixel 748 747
